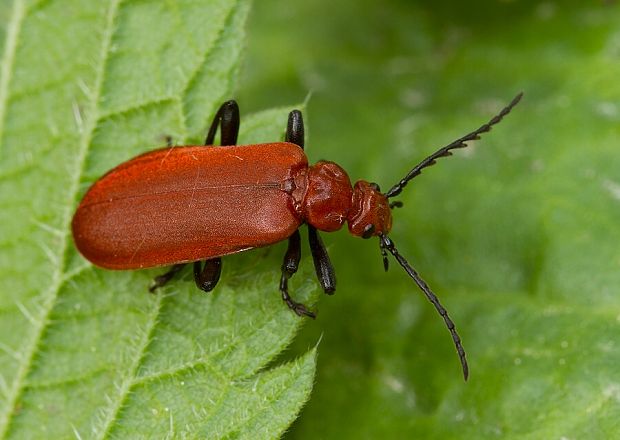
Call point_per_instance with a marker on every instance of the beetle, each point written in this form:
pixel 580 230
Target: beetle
pixel 179 205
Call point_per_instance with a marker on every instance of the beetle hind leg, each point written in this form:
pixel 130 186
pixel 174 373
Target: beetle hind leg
pixel 289 267
pixel 162 280
pixel 206 277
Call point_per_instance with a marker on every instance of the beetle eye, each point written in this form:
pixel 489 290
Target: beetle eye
pixel 368 231
pixel 375 186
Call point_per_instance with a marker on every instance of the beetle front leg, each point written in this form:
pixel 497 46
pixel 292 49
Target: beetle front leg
pixel 289 267
pixel 322 264
pixel 295 129
pixel 206 277
pixel 227 118
pixel 295 133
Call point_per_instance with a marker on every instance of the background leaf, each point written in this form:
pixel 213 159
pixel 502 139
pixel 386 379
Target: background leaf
pixel 87 353
pixel 518 235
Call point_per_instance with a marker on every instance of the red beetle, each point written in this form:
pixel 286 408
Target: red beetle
pixel 187 204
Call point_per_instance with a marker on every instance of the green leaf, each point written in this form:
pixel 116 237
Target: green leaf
pixel 518 234
pixel 88 353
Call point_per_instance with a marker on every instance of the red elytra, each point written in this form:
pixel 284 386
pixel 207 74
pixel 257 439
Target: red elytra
pixel 198 203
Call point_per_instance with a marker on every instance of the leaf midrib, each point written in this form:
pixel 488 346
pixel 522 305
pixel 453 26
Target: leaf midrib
pixel 8 60
pixel 51 295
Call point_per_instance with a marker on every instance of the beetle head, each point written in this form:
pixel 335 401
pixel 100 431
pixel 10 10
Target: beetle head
pixel 370 211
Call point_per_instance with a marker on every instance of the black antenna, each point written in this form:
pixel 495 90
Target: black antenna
pixel 445 151
pixel 387 243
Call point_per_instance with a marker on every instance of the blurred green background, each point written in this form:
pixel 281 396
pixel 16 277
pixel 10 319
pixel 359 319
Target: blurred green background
pixel 518 234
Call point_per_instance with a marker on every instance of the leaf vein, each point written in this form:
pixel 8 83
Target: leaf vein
pixel 216 41
pixel 129 380
pixel 267 402
pixel 202 361
pixel 50 295
pixel 7 62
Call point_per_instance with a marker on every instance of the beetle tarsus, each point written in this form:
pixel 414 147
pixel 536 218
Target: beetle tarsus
pixel 300 309
pixel 162 280
pixel 290 264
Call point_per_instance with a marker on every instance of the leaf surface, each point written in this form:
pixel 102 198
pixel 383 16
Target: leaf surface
pixel 88 353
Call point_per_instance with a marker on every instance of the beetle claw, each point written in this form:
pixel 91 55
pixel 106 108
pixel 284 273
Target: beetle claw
pixel 306 312
pixel 300 309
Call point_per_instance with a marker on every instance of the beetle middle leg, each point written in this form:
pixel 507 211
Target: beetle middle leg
pixel 289 267
pixel 227 118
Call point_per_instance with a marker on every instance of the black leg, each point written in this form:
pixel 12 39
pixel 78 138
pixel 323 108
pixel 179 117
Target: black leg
pixel 295 128
pixel 206 277
pixel 227 117
pixel 289 267
pixel 161 280
pixel 322 264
